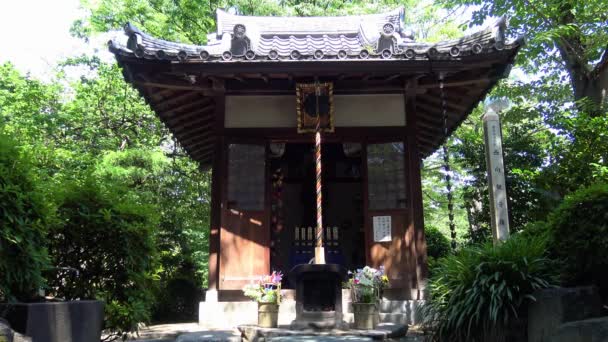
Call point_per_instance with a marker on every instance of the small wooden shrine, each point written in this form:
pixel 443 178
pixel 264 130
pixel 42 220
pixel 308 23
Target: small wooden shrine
pixel 247 106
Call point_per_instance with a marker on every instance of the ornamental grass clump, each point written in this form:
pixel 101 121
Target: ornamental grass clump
pixel 267 289
pixel 366 284
pixel 480 292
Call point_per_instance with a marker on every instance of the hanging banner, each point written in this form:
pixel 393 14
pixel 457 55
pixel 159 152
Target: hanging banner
pixel 315 101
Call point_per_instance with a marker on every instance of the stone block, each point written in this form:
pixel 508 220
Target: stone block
pixel 8 335
pixel 556 306
pixel 70 321
pixel 589 330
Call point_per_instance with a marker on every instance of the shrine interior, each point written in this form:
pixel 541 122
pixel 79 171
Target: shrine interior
pixel 293 206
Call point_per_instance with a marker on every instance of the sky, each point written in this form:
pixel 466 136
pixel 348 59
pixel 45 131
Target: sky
pixel 35 34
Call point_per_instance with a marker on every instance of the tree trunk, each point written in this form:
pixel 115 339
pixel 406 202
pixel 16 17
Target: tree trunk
pixel 588 82
pixel 591 86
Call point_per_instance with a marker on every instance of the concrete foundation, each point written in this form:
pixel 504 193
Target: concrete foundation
pixel 230 314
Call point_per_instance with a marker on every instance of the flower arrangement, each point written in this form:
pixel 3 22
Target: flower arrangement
pixel 367 283
pixel 267 289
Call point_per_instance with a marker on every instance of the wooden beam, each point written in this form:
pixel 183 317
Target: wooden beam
pixel 284 87
pixel 430 111
pixel 161 94
pixel 429 126
pixel 178 118
pixel 449 84
pixel 368 76
pixel 200 122
pixel 203 153
pixel 204 101
pixel 176 86
pixel 325 66
pixel 392 77
pixel 203 145
pixel 416 215
pixel 195 135
pixel 174 99
pixel 217 190
pixel 436 101
pixel 187 137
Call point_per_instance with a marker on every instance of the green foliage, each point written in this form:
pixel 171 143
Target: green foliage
pixel 579 234
pixel 23 216
pixel 584 158
pixel 177 299
pixel 564 35
pixel 107 235
pixel 104 127
pixel 189 21
pixel 478 292
pixel 525 144
pixel 180 192
pixel 437 245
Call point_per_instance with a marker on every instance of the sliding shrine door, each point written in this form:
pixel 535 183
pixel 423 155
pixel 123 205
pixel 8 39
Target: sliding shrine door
pixel 244 237
pixel 389 242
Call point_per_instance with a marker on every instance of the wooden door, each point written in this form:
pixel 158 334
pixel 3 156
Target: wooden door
pixel 245 234
pixel 389 240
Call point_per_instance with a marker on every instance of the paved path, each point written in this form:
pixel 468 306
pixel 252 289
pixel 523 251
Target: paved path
pixel 192 332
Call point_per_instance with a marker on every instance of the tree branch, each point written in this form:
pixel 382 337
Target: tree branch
pixel 601 65
pixel 566 47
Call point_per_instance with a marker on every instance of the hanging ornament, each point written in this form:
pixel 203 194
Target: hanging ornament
pixel 315 107
pixel 446 163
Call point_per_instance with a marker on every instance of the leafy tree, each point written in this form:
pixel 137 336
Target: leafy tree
pixel 99 122
pixel 549 142
pixel 564 36
pixel 579 237
pixel 103 246
pixel 23 215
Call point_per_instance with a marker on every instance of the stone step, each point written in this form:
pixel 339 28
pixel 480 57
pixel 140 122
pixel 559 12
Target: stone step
pixel 231 314
pixel 384 318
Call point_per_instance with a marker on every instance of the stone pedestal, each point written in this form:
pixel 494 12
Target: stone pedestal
pixel 589 330
pixel 553 307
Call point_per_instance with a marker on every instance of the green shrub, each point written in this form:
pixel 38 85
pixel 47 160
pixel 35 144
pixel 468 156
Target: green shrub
pixel 108 236
pixel 177 298
pixel 578 230
pixel 478 292
pixel 437 245
pixel 22 220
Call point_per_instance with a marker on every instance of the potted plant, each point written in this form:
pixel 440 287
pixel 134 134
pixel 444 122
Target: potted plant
pixel 366 285
pixel 267 292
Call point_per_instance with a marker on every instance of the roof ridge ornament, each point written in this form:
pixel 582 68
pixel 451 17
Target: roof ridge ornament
pixel 240 43
pixel 387 40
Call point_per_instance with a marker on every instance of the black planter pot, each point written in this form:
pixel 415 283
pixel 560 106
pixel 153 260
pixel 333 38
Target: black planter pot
pixel 71 321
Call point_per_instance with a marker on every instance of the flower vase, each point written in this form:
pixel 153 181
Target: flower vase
pixel 268 315
pixel 365 315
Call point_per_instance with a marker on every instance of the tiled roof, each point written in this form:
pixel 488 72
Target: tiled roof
pixel 248 38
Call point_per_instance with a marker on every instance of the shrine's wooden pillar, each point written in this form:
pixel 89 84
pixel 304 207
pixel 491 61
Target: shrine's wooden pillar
pixel 415 207
pixel 217 190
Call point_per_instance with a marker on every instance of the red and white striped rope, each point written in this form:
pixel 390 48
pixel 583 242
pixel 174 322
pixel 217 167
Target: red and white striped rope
pixel 319 190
